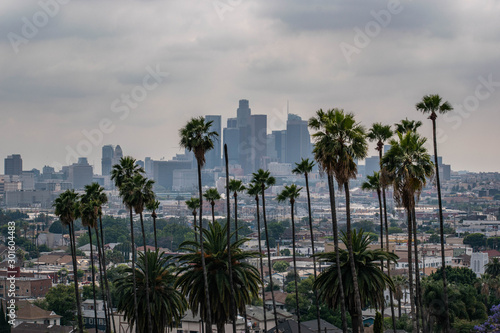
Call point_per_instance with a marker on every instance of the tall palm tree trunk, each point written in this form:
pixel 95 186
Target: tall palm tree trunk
pixel 357 298
pixel 195 227
pixel 93 278
pixel 75 276
pixel 418 291
pixel 105 296
pixel 337 257
pixel 379 194
pixel 269 259
pixel 295 267
pixel 261 264
pixel 236 215
pixel 213 211
pixel 132 245
pixel 313 250
pixel 391 296
pixel 208 319
pixel 228 224
pixel 441 227
pixel 106 284
pixel 153 215
pixel 410 270
pixel 146 275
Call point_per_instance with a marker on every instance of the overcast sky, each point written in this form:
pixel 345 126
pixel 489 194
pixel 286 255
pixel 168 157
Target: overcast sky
pixel 133 72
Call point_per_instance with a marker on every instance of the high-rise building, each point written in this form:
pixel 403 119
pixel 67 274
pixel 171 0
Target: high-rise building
pixel 280 145
pixel 108 154
pixel 258 141
pixel 118 155
pixel 164 171
pixel 372 164
pixel 80 174
pixel 213 156
pixel 232 140
pixel 298 140
pixel 245 150
pixel 13 165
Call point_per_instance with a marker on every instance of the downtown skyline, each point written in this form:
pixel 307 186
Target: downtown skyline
pixel 71 74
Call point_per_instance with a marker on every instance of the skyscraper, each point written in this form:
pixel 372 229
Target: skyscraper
pixel 80 174
pixel 213 156
pixel 298 140
pixel 245 149
pixel 232 140
pixel 258 141
pixel 13 165
pixel 108 153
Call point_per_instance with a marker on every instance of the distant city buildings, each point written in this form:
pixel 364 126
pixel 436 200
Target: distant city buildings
pixel 13 165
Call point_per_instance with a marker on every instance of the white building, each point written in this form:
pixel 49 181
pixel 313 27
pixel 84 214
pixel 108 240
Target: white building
pixel 477 262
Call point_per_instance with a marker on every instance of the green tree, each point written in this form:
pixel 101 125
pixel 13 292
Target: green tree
pixel 373 281
pixel 432 104
pixel 291 193
pixel 197 137
pixel 56 228
pixel 190 276
pixel 434 238
pixel 493 267
pixel 305 168
pixel 193 204
pixel 400 285
pixel 66 208
pixel 153 206
pixel 167 303
pixel 407 125
pixel 62 300
pixel 476 241
pixel 378 325
pixel 121 174
pixel 265 180
pixel 281 266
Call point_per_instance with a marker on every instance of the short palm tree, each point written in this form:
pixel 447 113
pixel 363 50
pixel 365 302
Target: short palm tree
pixel 265 180
pixel 197 137
pixel 137 191
pixel 212 195
pixel 493 267
pixel 167 303
pixel 305 168
pixel 193 204
pixel 432 104
pixel 323 154
pixel 409 166
pixel 291 193
pixel 190 276
pixel 349 145
pixel 121 173
pixel 236 186
pixel 253 190
pixel 372 280
pixel 153 206
pixel 407 125
pixel 66 208
pixel 400 285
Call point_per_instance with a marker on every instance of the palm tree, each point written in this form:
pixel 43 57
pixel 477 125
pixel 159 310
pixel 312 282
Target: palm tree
pixel 212 195
pixel 432 104
pixel 408 165
pixel 323 154
pixel 407 125
pixel 197 137
pixel 254 190
pixel 167 303
pixel 88 213
pixel 190 277
pixel 373 184
pixel 94 193
pixel 493 267
pixel 66 208
pixel 372 280
pixel 153 206
pixel 121 173
pixel 291 193
pixel 305 168
pixel 265 180
pixel 236 186
pixel 137 191
pixel 349 144
pixel 400 284
pixel 193 204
